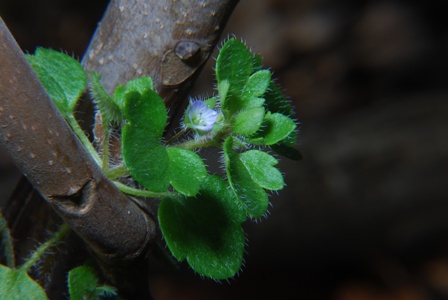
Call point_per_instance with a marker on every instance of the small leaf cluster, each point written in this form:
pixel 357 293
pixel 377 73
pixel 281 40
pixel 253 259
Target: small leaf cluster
pixel 200 214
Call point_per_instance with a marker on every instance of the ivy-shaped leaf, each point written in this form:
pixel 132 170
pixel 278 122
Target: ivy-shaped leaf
pixel 251 194
pixel 186 171
pixel 257 84
pixel 140 84
pixel 248 121
pixel 136 85
pixel 234 64
pixel 205 230
pixel 275 128
pixel 62 76
pixel 16 284
pixel 260 166
pixel 144 156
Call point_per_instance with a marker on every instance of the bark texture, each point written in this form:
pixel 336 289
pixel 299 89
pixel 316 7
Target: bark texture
pixel 45 149
pixel 167 40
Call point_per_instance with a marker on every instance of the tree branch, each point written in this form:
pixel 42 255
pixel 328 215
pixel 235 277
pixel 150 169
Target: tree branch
pixel 45 149
pixel 169 40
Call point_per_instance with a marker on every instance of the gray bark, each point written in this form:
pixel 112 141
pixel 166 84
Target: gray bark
pixel 168 40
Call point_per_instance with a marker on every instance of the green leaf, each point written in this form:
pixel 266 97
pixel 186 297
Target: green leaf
pixel 136 85
pixel 223 89
pixel 259 164
pixel 58 73
pixel 82 282
pixel 186 171
pixel 205 230
pixel 16 284
pixel 110 111
pixel 140 85
pixel 234 65
pixel 210 102
pixel 257 84
pixel 248 121
pixel 144 156
pixel 119 96
pixel 275 128
pixel 276 102
pixel 146 112
pixel 251 195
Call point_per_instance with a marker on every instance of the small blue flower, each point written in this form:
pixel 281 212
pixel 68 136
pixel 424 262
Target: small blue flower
pixel 201 117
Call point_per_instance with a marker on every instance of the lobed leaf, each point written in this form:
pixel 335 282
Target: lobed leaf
pixel 234 64
pixel 260 166
pixel 146 112
pixel 275 128
pixel 206 229
pixel 60 72
pixel 250 194
pixel 248 121
pixel 140 84
pixel 144 156
pixel 186 171
pixel 257 84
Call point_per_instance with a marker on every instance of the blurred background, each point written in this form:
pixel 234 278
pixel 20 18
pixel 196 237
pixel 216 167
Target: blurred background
pixel 364 215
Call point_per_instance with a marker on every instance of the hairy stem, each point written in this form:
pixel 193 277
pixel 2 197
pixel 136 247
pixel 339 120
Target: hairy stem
pixel 214 141
pixel 84 139
pixel 141 193
pixel 116 172
pixel 57 237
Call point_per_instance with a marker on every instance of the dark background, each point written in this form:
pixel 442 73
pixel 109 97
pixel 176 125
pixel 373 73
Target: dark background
pixel 365 213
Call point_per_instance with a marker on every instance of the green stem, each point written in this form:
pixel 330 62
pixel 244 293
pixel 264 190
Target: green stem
pixel 116 172
pixel 84 139
pixel 58 236
pixel 210 142
pixel 176 136
pixel 193 144
pixel 141 193
pixel 7 242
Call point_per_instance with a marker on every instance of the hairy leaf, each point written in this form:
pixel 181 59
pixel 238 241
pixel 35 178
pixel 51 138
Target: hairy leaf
pixel 275 128
pixel 110 111
pixel 248 121
pixel 257 84
pixel 251 194
pixel 144 156
pixel 16 284
pixel 186 171
pixel 260 166
pixel 234 64
pixel 60 72
pixel 206 229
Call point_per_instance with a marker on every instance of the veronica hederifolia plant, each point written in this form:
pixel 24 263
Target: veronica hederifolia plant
pixel 200 214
